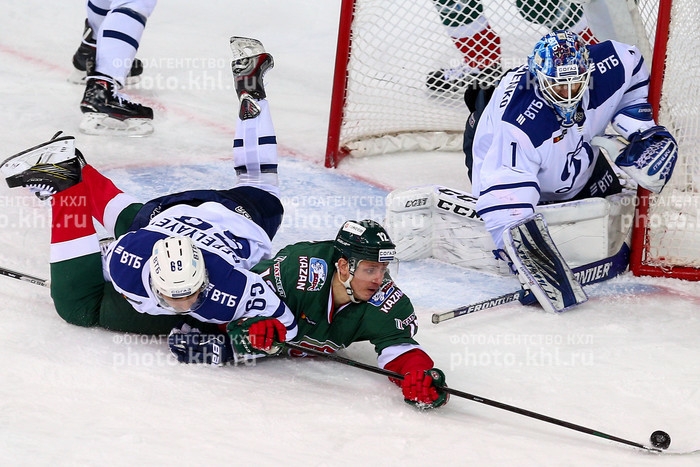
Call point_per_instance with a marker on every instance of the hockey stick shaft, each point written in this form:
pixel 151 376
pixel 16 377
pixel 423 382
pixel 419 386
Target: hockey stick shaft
pixel 474 398
pixel 343 360
pixel 482 305
pixel 398 376
pixel 591 273
pixel 24 277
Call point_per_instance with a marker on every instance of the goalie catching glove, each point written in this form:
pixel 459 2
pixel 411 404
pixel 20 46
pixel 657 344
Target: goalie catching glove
pixel 649 158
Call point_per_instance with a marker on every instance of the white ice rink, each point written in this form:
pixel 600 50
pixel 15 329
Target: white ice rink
pixel 625 363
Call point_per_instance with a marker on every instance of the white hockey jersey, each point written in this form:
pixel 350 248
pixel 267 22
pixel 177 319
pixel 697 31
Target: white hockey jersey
pixel 230 243
pixel 522 154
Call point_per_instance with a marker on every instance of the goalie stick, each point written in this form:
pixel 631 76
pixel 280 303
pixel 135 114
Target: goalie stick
pixel 483 400
pixel 586 274
pixel 24 277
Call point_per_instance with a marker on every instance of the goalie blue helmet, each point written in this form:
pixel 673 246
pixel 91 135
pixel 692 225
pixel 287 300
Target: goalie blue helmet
pixel 562 68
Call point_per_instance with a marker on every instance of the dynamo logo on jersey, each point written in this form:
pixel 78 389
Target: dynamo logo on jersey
pixel 318 273
pixel 381 294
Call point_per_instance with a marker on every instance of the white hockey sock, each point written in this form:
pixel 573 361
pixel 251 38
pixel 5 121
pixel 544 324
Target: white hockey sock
pixel 96 12
pixel 117 42
pixel 255 151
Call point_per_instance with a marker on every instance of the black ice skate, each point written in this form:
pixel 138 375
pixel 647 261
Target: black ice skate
pixel 106 111
pixel 249 65
pixel 458 79
pixel 87 50
pixel 47 168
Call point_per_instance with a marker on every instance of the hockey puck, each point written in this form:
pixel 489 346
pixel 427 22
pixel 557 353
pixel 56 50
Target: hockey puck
pixel 660 439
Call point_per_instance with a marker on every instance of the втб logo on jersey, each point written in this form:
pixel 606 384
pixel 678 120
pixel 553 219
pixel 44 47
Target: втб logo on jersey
pixel 530 112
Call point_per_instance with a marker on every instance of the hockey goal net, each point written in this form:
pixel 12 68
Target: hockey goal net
pixel 397 64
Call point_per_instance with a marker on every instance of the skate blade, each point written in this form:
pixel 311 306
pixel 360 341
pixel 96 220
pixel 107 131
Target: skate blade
pixel 245 47
pixel 102 124
pixel 51 152
pixel 79 77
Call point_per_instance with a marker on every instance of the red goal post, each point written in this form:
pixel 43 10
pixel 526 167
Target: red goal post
pixel 380 102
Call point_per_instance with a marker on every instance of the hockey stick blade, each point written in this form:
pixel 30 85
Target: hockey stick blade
pixel 586 274
pixel 24 277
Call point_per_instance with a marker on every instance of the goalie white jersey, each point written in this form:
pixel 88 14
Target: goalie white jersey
pixel 523 155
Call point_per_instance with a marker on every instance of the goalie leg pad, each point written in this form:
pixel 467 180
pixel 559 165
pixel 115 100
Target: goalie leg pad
pixel 540 266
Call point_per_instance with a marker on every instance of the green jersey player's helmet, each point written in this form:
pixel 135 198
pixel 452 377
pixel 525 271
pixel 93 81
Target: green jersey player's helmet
pixel 364 240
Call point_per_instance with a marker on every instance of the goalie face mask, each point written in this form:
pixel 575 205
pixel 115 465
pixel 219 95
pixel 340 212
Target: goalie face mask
pixel 562 68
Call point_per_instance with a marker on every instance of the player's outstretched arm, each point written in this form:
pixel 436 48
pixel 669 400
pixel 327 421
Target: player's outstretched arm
pixel 422 383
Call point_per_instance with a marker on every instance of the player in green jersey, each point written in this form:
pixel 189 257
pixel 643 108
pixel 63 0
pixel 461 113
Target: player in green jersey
pixel 341 292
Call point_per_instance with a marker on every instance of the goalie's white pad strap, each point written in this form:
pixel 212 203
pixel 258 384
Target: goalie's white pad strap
pixel 541 267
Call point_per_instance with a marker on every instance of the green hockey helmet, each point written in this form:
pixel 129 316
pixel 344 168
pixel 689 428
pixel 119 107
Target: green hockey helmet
pixel 364 240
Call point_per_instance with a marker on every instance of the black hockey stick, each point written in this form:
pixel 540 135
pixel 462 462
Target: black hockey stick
pixel 586 274
pixel 481 400
pixel 24 277
pixel 391 374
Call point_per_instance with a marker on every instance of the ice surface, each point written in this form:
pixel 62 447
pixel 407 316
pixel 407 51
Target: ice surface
pixel 625 363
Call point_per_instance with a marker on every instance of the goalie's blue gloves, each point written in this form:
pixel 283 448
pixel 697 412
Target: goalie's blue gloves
pixel 650 157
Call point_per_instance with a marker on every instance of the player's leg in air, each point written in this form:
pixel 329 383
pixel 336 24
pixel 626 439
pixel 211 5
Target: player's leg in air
pixel 117 27
pixel 79 193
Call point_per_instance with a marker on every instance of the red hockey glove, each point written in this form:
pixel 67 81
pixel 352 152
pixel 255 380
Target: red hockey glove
pixel 262 334
pixel 424 388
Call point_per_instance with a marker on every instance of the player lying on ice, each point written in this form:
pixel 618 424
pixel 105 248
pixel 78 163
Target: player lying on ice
pixel 533 143
pixel 340 292
pixel 181 262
